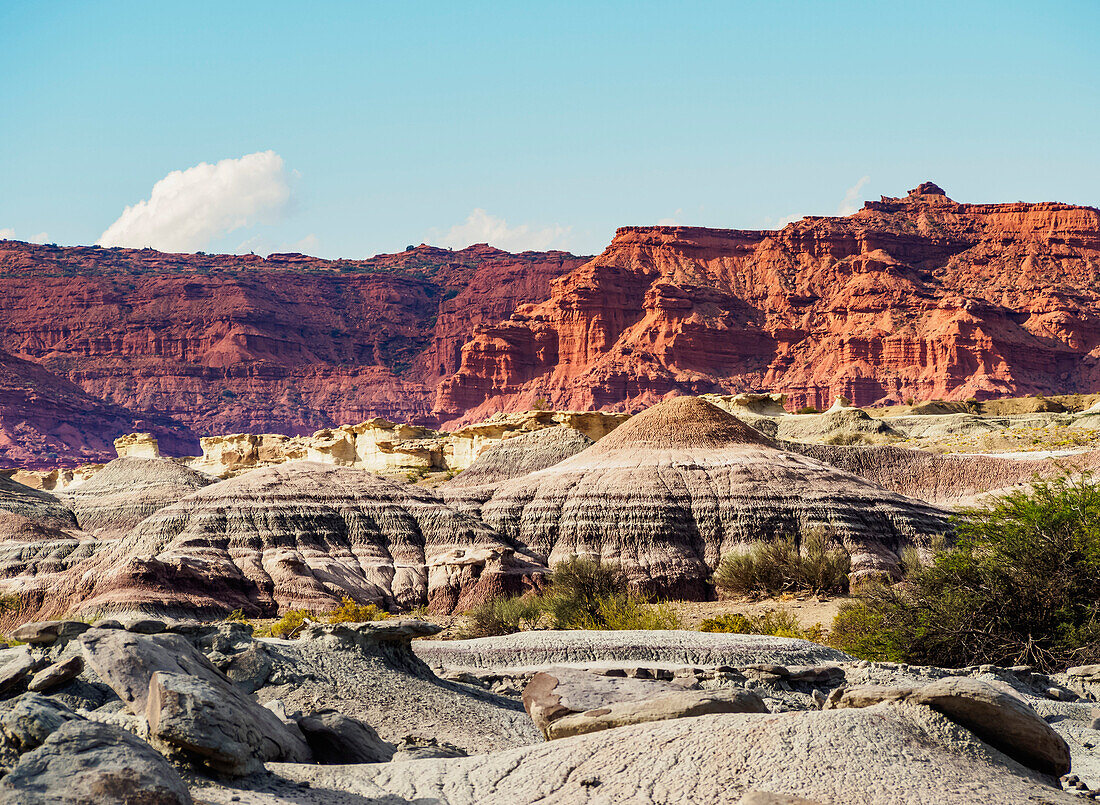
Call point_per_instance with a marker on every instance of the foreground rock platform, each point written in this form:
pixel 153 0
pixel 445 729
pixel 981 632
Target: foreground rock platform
pixel 536 651
pixel 918 757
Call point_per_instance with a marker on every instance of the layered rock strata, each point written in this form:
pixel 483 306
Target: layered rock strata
pixel 918 296
pixel 299 535
pixel 674 489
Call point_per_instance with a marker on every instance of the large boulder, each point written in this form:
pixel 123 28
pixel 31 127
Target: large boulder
pixel 15 665
pixel 46 633
pixel 194 718
pixel 564 702
pixel 1000 718
pixel 88 763
pixel 26 721
pixel 192 708
pixel 54 676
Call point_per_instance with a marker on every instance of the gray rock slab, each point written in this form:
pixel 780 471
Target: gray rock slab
pixel 671 649
pixel 54 676
pixel 84 762
pixel 883 755
pixel 1002 719
pixel 15 665
pixel 215 726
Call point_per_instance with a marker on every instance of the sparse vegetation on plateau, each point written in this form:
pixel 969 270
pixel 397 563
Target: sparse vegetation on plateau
pixel 292 621
pixel 778 623
pixel 583 594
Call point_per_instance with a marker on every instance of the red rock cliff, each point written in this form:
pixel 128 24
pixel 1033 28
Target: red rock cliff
pixel 222 343
pixel 912 297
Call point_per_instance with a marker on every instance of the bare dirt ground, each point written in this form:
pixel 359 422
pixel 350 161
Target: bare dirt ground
pixel 809 610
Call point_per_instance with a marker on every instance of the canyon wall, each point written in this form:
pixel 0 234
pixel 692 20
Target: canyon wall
pixel 914 297
pixel 215 344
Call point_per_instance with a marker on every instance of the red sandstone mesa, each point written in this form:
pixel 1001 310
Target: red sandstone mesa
pixel 912 297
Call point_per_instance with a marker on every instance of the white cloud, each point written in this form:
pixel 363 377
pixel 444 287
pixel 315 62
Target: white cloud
pixel 188 209
pixel 7 233
pixel 673 220
pixel 481 227
pixel 851 202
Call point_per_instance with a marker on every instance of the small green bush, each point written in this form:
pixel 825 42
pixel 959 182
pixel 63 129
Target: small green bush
pixel 583 594
pixel 287 627
pixel 503 616
pixel 778 623
pixel 808 409
pixel 1021 586
pixel 631 611
pixel 783 566
pixel 577 587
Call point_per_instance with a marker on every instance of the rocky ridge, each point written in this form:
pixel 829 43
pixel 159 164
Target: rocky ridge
pixel 918 296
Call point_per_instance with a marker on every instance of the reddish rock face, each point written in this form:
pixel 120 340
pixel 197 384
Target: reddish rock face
pixel 914 297
pixel 911 297
pixel 49 421
pixel 222 343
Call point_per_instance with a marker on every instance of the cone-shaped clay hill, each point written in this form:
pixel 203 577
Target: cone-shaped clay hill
pixel 683 483
pixel 511 458
pixel 299 534
pixel 34 505
pixel 128 490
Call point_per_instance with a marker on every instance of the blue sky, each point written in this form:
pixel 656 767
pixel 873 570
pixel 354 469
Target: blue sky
pixel 532 124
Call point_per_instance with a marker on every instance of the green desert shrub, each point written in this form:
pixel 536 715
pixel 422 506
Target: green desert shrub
pixel 784 566
pixel 502 616
pixel 631 611
pixel 583 594
pixel 578 586
pixel 1020 586
pixel 778 623
pixel 287 627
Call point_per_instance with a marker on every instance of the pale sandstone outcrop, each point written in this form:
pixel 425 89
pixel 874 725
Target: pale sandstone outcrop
pixel 57 480
pixel 670 492
pixel 137 445
pixel 469 442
